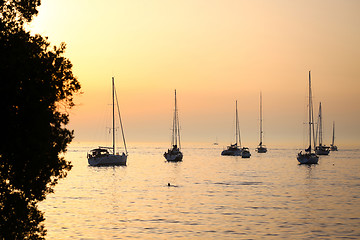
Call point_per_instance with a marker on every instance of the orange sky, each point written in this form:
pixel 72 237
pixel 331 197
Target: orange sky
pixel 212 52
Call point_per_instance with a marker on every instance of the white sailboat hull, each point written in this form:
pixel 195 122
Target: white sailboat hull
pixel 107 160
pixel 307 158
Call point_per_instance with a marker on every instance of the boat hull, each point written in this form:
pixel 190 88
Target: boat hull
pixel 231 152
pixel 333 148
pixel 307 158
pixel 261 150
pixel 108 160
pixel 322 150
pixel 245 154
pixel 171 157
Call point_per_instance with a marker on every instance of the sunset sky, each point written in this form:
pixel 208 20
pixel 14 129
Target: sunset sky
pixel 213 53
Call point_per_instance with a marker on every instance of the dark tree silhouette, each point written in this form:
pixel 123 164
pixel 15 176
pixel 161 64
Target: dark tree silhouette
pixel 36 90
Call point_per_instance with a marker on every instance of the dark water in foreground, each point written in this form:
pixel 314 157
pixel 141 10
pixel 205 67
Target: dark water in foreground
pixel 268 196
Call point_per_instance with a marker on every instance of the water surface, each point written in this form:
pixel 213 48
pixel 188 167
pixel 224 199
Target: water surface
pixel 211 197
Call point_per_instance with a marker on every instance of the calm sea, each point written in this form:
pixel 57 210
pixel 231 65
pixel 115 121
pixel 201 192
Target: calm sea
pixel 268 196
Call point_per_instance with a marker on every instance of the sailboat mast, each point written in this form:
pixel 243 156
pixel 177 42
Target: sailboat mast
pixel 320 125
pixel 113 113
pixel 237 128
pixel 261 132
pixel 310 111
pixel 173 127
pixel 236 124
pixel 121 125
pixel 175 131
pixel 333 137
pixel 177 121
pixel 312 121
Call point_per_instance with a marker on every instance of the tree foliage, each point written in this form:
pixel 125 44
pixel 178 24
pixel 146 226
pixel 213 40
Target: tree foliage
pixel 36 90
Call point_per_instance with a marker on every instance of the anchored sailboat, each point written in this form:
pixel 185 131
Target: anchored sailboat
pixel 321 149
pixel 261 148
pixel 235 149
pixel 107 155
pixel 309 157
pixel 174 154
pixel 333 147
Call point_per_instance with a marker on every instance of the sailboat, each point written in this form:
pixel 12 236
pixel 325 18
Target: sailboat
pixel 333 147
pixel 321 149
pixel 235 149
pixel 309 157
pixel 174 154
pixel 261 148
pixel 105 156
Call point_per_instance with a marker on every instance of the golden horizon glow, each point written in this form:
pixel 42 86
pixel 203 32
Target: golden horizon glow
pixel 212 52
